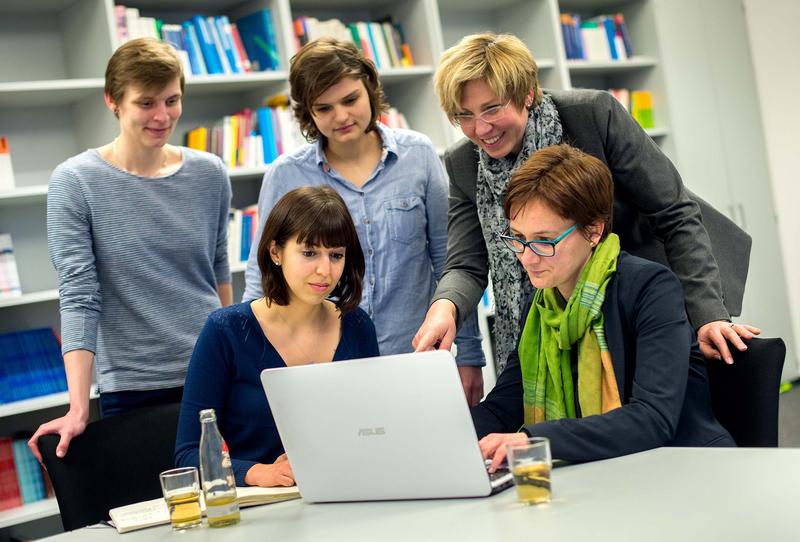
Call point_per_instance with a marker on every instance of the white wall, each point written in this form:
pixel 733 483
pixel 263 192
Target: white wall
pixel 774 43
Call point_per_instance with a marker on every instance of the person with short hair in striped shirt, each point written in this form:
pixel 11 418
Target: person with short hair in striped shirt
pixel 137 232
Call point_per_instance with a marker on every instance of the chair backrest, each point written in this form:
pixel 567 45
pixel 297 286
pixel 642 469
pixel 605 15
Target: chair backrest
pixel 116 461
pixel 744 395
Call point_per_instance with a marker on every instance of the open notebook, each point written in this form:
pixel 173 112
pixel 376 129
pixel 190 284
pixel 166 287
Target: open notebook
pixel 151 513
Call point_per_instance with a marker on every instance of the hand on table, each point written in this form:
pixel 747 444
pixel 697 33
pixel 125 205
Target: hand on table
pixel 266 475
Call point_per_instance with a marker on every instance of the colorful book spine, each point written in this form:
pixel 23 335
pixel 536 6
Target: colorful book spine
pixel 9 275
pixel 207 46
pixel 29 473
pixel 258 36
pixel 196 59
pixel 120 25
pixel 31 364
pixel 6 170
pixel 235 236
pixel 642 108
pixel 223 30
pixel 622 29
pixel 219 46
pixel 10 495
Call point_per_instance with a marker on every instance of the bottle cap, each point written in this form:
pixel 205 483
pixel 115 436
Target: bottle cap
pixel 208 415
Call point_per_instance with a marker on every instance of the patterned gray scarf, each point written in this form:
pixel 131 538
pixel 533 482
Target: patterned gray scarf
pixel 509 280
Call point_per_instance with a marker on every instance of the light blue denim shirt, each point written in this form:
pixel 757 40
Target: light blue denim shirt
pixel 400 214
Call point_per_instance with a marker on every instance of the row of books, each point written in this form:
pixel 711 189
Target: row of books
pixel 22 479
pixel 638 102
pixel 256 137
pixel 6 171
pixel 30 365
pixel 383 42
pixel 242 226
pixel 600 38
pixel 209 45
pixel 249 138
pixel 9 276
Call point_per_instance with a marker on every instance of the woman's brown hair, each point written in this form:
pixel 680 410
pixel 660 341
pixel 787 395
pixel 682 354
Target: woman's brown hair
pixel 319 65
pixel 317 216
pixel 574 184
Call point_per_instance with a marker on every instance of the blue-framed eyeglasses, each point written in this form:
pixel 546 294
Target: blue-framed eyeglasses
pixel 542 247
pixel 493 114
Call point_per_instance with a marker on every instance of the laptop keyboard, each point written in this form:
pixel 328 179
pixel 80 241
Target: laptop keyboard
pixel 496 475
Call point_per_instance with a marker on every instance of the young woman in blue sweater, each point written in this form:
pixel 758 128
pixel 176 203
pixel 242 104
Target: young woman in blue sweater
pixel 312 269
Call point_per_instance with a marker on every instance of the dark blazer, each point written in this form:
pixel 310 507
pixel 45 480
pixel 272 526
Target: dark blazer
pixel 655 216
pixel 660 373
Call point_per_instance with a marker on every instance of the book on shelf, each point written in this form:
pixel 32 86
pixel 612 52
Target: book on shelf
pixel 642 108
pixel 381 41
pixel 29 472
pixel 623 96
pixel 174 35
pixel 6 170
pixel 9 275
pixel 600 38
pixel 638 102
pixel 154 512
pixel 242 226
pixel 257 35
pixel 207 44
pixel 30 365
pixel 10 495
pixel 23 480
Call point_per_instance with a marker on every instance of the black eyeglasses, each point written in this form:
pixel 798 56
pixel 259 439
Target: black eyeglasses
pixel 542 247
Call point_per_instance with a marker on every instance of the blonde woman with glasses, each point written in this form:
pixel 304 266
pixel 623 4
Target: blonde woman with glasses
pixel 487 84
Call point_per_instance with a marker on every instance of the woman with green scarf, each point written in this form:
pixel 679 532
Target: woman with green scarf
pixel 607 363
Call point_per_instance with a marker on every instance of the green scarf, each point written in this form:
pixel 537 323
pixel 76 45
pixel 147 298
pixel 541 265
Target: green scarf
pixel 552 327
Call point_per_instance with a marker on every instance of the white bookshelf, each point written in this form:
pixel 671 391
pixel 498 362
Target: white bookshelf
pixel 610 66
pixel 29 298
pixel 39 403
pixel 28 512
pixel 47 93
pixel 24 195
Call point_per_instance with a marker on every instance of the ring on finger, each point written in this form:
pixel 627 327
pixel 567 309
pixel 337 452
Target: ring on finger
pixel 732 324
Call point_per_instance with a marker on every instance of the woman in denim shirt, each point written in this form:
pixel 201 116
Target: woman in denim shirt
pixel 393 184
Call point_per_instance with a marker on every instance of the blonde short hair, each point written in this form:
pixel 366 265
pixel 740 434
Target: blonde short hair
pixel 502 60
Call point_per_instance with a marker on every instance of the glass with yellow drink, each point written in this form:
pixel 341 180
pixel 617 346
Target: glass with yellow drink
pixel 530 463
pixel 181 488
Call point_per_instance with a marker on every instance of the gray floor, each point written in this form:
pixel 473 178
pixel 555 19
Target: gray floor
pixel 789 418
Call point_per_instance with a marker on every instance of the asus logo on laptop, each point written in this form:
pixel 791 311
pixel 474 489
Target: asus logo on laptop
pixel 371 431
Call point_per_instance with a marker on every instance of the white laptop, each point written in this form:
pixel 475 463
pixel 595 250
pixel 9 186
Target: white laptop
pixel 392 427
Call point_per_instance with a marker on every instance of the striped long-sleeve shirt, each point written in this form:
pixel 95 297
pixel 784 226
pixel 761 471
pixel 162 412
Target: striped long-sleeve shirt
pixel 138 262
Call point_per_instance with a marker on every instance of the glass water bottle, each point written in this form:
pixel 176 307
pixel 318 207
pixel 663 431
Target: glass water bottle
pixel 219 485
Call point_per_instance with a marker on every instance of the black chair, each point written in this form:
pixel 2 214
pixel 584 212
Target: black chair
pixel 115 462
pixel 744 395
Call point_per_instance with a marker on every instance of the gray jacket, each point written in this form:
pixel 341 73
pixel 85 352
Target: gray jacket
pixel 655 216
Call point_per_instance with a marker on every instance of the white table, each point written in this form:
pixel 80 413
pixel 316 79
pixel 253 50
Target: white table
pixel 669 494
